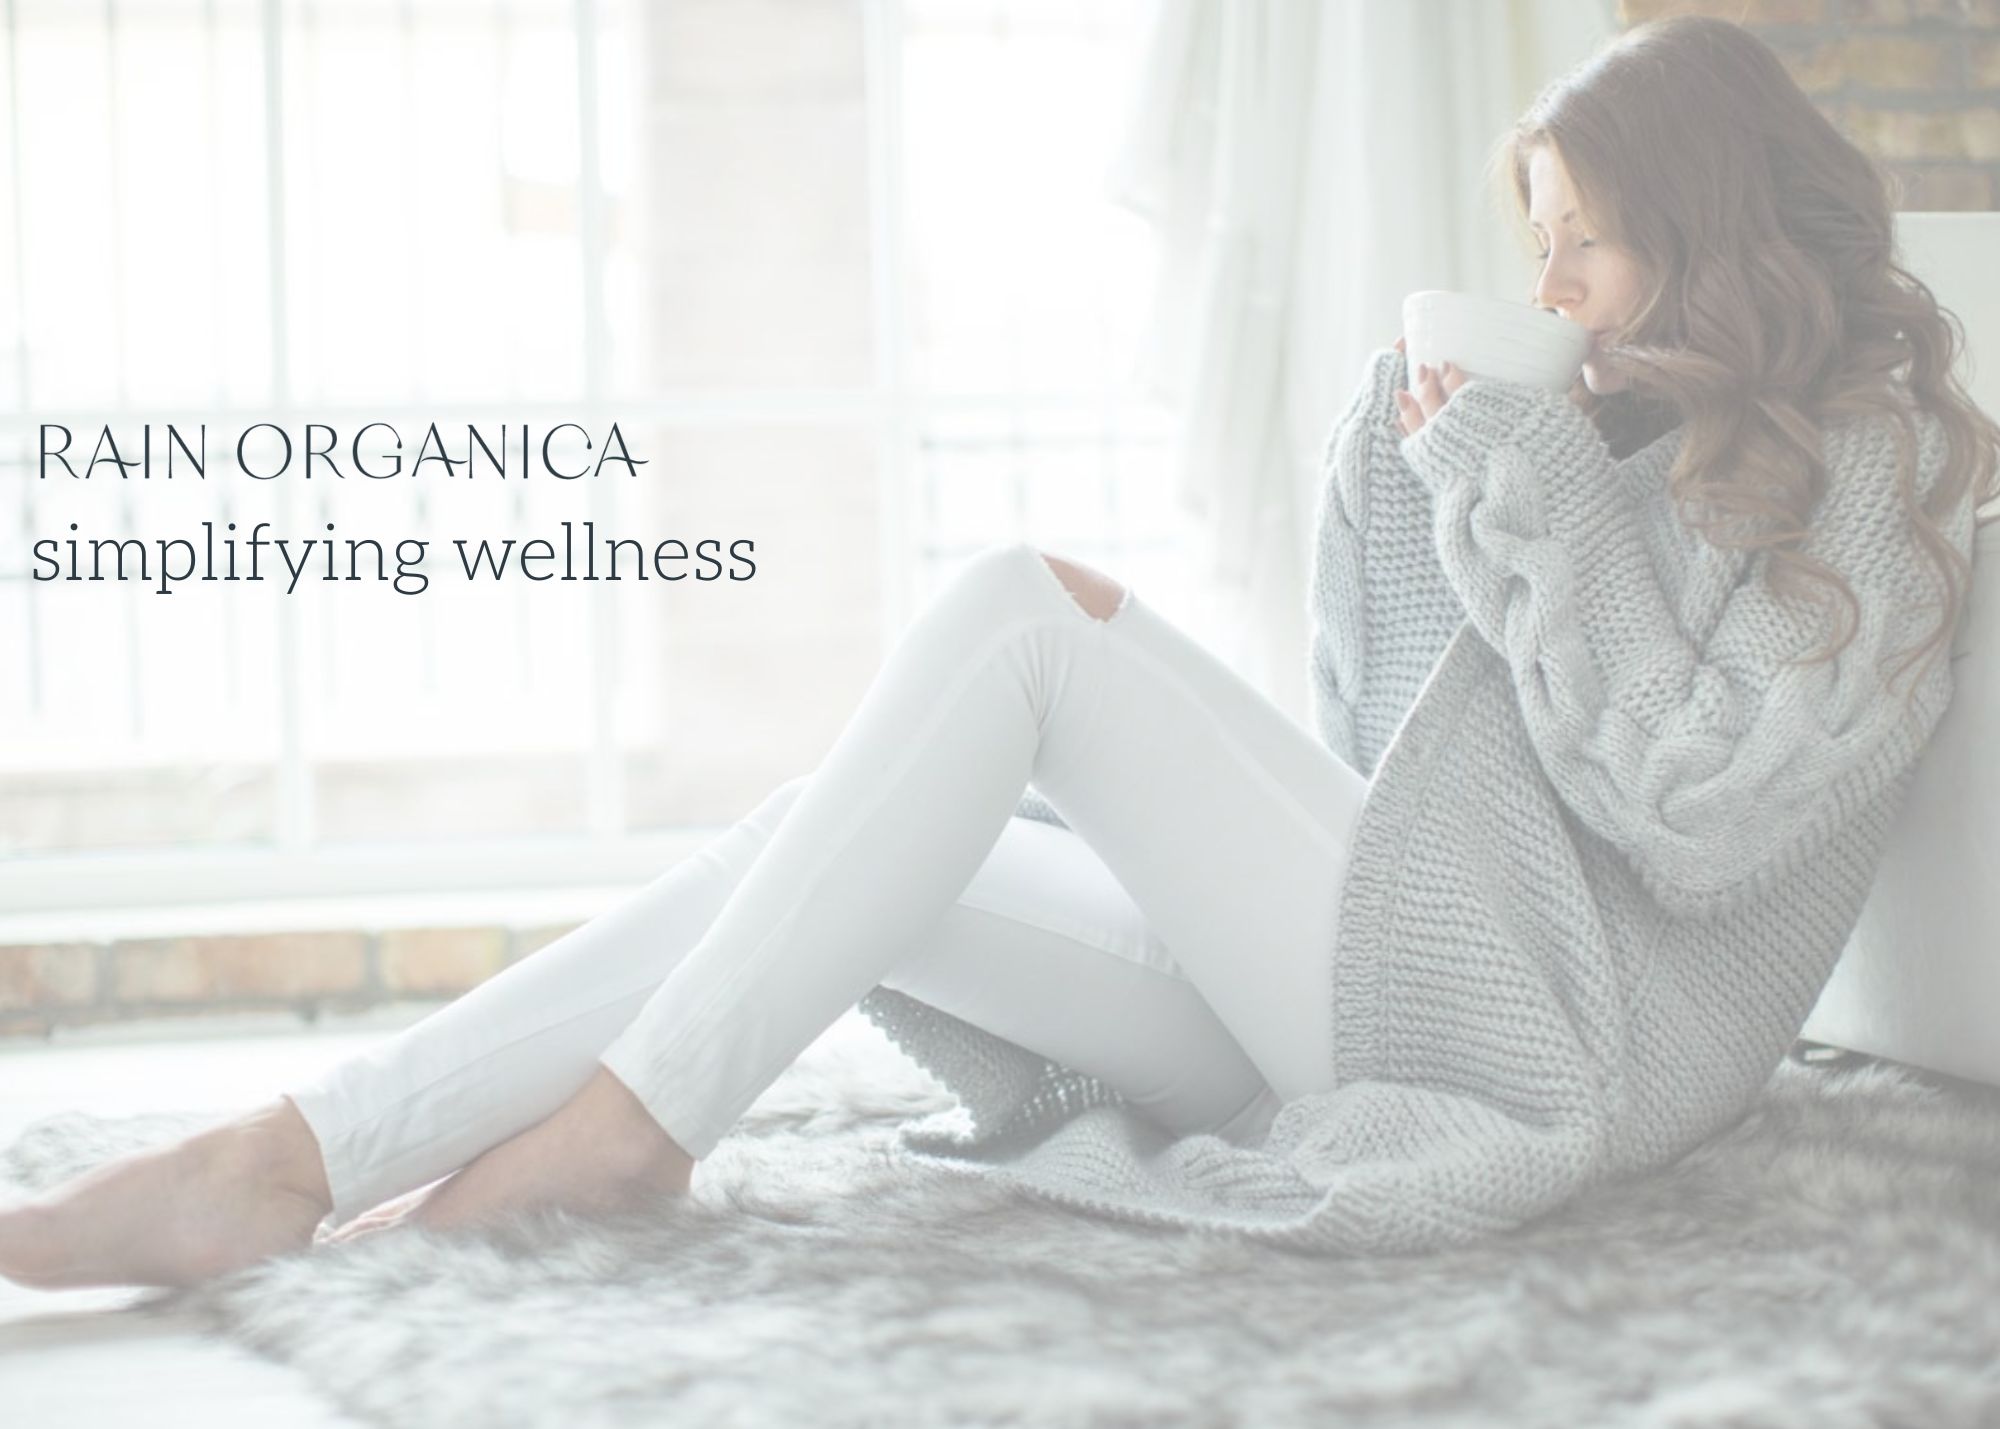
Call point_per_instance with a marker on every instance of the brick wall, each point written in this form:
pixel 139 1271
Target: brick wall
pixel 44 986
pixel 1915 83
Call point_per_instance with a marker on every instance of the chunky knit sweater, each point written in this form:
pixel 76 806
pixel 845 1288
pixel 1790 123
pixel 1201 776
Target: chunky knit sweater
pixel 1611 850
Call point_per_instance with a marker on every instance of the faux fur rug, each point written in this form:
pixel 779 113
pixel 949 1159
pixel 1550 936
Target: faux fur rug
pixel 1832 1261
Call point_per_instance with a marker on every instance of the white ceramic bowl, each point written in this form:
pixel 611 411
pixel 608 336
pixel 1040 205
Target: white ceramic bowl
pixel 1493 338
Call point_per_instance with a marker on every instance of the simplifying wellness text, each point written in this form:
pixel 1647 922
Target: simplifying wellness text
pixel 267 452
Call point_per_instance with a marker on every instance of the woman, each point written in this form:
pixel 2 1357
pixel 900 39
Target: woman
pixel 1596 795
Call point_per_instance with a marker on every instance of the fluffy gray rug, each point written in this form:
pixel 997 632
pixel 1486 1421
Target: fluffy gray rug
pixel 1832 1261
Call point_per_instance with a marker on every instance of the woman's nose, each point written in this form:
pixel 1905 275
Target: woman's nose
pixel 1561 299
pixel 1558 294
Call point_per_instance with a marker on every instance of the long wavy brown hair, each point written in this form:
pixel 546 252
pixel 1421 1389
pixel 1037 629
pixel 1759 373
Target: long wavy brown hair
pixel 1776 303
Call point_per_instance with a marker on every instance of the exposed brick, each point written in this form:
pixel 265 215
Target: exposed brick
pixel 1817 70
pixel 1753 13
pixel 157 970
pixel 1906 133
pixel 1954 188
pixel 1875 12
pixel 1634 12
pixel 1893 62
pixel 1981 128
pixel 530 940
pixel 1961 12
pixel 1982 65
pixel 37 975
pixel 239 968
pixel 287 964
pixel 430 961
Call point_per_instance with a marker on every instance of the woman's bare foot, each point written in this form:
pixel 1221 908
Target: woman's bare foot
pixel 600 1153
pixel 220 1200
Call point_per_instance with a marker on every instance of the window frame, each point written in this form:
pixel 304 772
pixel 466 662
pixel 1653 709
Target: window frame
pixel 295 865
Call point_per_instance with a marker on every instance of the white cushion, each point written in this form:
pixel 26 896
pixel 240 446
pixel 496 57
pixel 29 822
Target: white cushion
pixel 1919 980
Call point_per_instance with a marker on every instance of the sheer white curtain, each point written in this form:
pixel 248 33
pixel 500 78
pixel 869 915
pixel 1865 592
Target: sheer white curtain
pixel 1306 163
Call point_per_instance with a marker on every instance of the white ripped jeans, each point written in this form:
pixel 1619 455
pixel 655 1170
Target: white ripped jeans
pixel 1174 941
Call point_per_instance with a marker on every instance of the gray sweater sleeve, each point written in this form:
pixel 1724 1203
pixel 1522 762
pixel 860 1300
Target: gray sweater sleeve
pixel 1381 609
pixel 1716 766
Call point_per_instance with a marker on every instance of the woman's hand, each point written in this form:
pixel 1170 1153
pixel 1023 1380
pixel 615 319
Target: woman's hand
pixel 1428 391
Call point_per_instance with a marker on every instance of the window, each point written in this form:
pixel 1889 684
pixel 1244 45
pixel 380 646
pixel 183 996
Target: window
pixel 850 287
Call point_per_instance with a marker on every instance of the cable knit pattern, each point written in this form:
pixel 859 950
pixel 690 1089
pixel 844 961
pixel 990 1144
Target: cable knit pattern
pixel 1713 768
pixel 1611 851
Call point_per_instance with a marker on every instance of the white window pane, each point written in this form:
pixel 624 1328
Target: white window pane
pixel 432 225
pixel 1024 275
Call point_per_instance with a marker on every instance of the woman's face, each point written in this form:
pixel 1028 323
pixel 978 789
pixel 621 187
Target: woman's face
pixel 1583 277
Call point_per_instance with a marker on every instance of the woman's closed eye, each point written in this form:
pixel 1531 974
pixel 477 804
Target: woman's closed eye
pixel 1542 255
